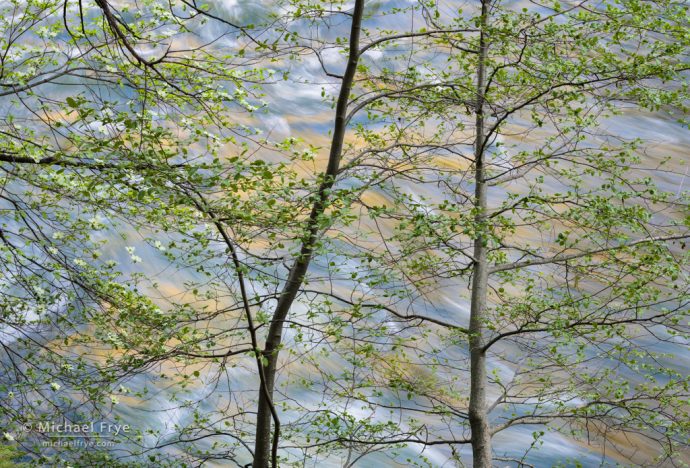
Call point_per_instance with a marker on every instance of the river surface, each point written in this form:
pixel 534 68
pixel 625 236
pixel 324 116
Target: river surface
pixel 299 110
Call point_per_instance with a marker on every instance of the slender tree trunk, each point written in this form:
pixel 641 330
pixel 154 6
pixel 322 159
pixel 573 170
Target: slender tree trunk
pixel 301 264
pixel 478 415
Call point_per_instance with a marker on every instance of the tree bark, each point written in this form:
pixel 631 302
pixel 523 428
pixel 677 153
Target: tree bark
pixel 301 264
pixel 478 414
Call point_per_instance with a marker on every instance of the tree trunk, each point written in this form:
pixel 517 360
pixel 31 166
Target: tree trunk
pixel 262 447
pixel 478 415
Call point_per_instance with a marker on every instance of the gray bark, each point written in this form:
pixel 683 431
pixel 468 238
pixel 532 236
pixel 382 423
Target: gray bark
pixel 478 414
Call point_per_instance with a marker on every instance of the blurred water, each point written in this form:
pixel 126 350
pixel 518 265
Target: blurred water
pixel 299 110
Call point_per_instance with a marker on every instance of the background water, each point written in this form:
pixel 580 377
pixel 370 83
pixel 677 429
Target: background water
pixel 300 110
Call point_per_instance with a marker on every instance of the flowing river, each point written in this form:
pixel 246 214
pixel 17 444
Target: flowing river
pixel 299 110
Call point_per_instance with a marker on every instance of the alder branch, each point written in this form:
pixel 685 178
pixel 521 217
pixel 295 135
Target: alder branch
pixel 563 258
pixel 386 94
pixel 415 34
pixel 392 311
pixel 203 207
pixel 579 323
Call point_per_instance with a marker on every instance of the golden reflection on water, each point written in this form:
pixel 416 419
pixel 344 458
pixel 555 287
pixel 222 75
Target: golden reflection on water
pixel 392 367
pixel 294 369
